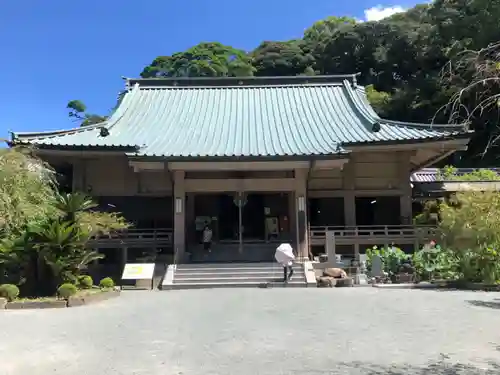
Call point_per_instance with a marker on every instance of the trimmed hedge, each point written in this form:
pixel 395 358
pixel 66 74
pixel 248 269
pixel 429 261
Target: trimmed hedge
pixel 85 282
pixel 66 290
pixel 107 282
pixel 9 291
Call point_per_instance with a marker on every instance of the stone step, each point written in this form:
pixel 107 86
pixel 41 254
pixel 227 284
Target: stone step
pixel 221 279
pixel 231 265
pixel 231 273
pixel 242 284
pixel 235 270
pixel 215 275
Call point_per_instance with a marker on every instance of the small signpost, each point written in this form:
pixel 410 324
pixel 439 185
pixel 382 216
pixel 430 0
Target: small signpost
pixel 142 273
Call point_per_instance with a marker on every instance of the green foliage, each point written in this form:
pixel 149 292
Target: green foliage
pixel 433 262
pixel 470 225
pixel 378 99
pixel 450 173
pixel 392 258
pixel 44 243
pixel 85 282
pixel 327 28
pixel 470 229
pixel 66 290
pixel 481 264
pixel 106 283
pixel 289 58
pixel 78 112
pixel 470 220
pixel 202 60
pixel 429 215
pixel 27 191
pixel 9 291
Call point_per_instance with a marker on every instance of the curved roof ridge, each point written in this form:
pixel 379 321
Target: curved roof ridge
pixel 55 133
pixel 241 87
pixel 225 122
pixel 108 124
pixel 361 92
pixel 239 81
pixel 364 107
pixel 123 107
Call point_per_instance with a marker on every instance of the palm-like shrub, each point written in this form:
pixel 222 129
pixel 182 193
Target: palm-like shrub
pixel 44 235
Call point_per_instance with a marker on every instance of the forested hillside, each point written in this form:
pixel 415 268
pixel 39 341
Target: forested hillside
pixel 437 62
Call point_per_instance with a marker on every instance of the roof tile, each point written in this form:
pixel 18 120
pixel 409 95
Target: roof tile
pixel 236 120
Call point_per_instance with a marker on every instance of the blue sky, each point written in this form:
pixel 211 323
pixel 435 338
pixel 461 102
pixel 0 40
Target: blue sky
pixel 55 51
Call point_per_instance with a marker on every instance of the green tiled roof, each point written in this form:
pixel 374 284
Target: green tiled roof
pixel 240 117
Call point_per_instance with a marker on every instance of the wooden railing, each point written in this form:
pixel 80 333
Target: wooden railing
pixel 343 235
pixel 135 237
pixel 373 234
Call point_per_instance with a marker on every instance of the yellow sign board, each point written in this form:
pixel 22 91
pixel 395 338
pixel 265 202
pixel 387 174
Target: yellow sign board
pixel 138 271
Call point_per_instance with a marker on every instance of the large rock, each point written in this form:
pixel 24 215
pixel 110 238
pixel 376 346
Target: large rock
pixel 326 282
pixel 3 302
pixel 337 273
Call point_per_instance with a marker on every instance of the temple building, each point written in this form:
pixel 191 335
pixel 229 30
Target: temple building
pixel 260 160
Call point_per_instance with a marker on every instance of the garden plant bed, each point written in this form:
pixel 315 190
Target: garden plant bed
pixel 81 298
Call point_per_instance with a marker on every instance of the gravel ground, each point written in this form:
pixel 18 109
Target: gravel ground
pixel 259 331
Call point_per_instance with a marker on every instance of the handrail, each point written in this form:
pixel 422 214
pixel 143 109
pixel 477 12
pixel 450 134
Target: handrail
pixel 319 232
pixel 151 234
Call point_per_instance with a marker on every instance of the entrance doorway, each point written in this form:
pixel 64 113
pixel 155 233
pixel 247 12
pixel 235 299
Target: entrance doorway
pixel 263 217
pixel 254 218
pixel 228 218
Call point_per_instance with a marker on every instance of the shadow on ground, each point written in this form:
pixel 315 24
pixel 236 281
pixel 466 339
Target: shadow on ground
pixel 437 368
pixel 495 304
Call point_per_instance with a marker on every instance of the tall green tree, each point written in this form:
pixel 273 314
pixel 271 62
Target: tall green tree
pixel 288 58
pixel 203 60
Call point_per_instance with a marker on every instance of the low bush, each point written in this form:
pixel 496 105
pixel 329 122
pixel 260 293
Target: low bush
pixel 66 290
pixel 392 258
pixel 9 291
pixel 106 283
pixel 85 282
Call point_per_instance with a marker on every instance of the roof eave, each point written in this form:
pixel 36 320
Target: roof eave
pixel 446 137
pixel 135 156
pixel 31 136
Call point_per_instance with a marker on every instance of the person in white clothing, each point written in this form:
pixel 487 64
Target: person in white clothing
pixel 207 239
pixel 284 256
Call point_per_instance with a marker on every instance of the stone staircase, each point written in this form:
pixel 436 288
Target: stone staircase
pixel 230 275
pixel 253 253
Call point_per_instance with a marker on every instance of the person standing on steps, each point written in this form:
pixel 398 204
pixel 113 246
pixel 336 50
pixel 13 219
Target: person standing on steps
pixel 284 256
pixel 207 239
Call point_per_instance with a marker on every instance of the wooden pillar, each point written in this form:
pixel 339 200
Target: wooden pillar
pixel 301 220
pixel 292 216
pixel 406 191
pixel 349 182
pixel 179 216
pixel 79 182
